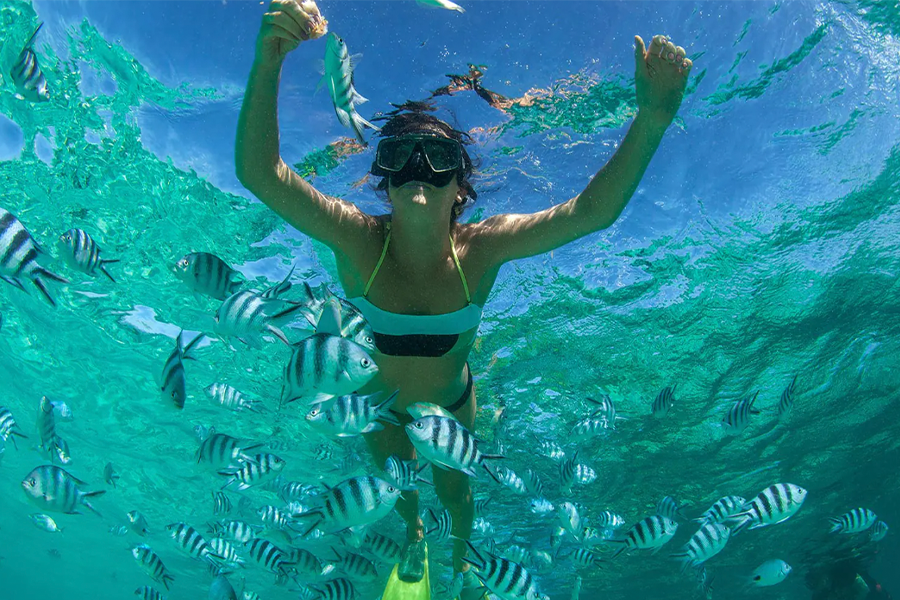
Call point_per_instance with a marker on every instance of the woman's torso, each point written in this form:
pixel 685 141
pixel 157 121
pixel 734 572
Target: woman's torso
pixel 438 380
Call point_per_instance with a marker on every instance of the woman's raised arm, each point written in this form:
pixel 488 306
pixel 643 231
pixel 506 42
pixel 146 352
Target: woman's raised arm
pixel 260 168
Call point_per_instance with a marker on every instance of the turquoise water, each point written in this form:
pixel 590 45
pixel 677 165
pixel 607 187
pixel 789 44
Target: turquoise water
pixel 762 244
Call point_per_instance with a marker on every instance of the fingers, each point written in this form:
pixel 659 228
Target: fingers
pixel 662 49
pixel 289 16
pixel 639 48
pixel 656 46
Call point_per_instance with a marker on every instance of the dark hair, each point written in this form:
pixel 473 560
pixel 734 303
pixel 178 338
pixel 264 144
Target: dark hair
pixel 416 120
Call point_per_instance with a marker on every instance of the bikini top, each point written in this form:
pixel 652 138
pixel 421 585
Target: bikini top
pixel 400 334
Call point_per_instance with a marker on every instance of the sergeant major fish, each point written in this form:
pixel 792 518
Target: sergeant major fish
pixel 228 397
pixel 19 255
pixel 786 402
pixel 775 504
pixel 322 366
pixel 55 490
pixel 81 252
pixel 709 540
pixel 724 507
pixel 664 402
pixel 738 416
pixel 506 579
pixel 150 562
pixel 352 415
pixel 338 78
pixel 447 443
pixel 173 382
pixel 221 450
pixel 355 501
pixel 651 533
pixel 247 316
pixel 8 426
pixel 855 521
pixel 27 75
pixel 404 474
pixel 259 470
pixel 207 274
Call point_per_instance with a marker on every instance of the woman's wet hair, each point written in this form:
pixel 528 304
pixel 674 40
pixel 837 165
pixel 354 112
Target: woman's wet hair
pixel 417 121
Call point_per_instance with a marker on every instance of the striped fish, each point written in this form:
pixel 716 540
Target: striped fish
pixel 610 520
pixel 447 443
pixel 584 474
pixel 587 428
pixel 207 274
pixel 664 401
pixel 296 490
pixel 879 531
pixel 506 579
pixel 323 365
pixel 336 316
pixel 173 382
pixel 404 474
pixel 280 288
pixel 775 504
pixel 481 504
pixel 570 519
pixel 533 483
pixel 334 589
pixel 148 560
pixel 738 416
pixel 260 469
pixel 27 75
pixel 518 554
pixel 8 426
pixel 19 255
pixel 356 565
pixel 541 506
pixel 248 316
pixel 508 477
pixel 268 555
pixel 855 521
pixel 148 593
pixel 190 541
pixel 443 525
pixel 221 504
pixel 273 517
pixel 338 79
pixel 137 523
pixel 228 397
pixel 651 533
pixel 59 451
pixel 725 507
pixel 221 450
pixel 606 411
pixel 593 536
pixel 228 553
pixel 355 501
pixel 305 563
pixel 582 557
pixel 46 424
pixel 703 545
pixel 550 449
pixel 81 252
pixel 667 507
pixel 567 473
pixel 53 489
pixel 239 532
pixel 352 415
pixel 786 402
pixel 383 548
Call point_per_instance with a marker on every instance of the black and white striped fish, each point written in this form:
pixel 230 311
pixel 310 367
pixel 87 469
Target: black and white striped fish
pixel 274 517
pixel 584 474
pixel 336 316
pixel 296 491
pixel 609 520
pixel 8 426
pixel 248 316
pixel 334 589
pixel 738 416
pixel 667 507
pixel 260 469
pixel 724 507
pixel 356 565
pixel 173 382
pixel 322 366
pixel 46 424
pixel 481 505
pixel 190 541
pixel 383 548
pixel 19 255
pixel 59 451
pixel 207 274
pixel 664 401
pixel 228 553
pixel 81 252
pixel 231 398
pixel 709 540
pixel 268 555
pixel 651 533
pixel 587 427
pixel 775 504
pixel 148 593
pixel 786 402
pixel 582 557
pixel 606 411
pixel 305 563
pixel 137 523
pixel 541 506
pixel 221 504
pixel 533 483
pixel 354 501
pixel 855 521
pixel 221 450
pixel 27 75
pixel 567 474
pixel 237 531
pixel 148 560
pixel 506 579
pixel 443 525
pixel 53 489
pixel 405 474
pixel 352 415
pixel 879 531
pixel 551 450
pixel 510 479
pixel 593 536
pixel 447 443
pixel 516 553
pixel 338 80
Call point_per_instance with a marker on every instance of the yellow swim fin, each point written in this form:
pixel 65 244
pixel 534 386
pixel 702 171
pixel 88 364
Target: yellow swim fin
pixel 396 589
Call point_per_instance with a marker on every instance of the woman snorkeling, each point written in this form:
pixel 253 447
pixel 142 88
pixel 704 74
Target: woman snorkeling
pixel 419 276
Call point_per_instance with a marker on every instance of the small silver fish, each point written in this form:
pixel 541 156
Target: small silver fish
pixel 27 75
pixel 137 523
pixel 541 506
pixel 81 252
pixel 45 522
pixel 771 572
pixel 228 397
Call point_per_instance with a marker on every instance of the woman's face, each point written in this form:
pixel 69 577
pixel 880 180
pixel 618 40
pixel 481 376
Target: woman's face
pixel 420 188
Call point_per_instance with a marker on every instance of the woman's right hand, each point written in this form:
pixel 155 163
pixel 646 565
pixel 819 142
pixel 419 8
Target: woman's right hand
pixel 284 26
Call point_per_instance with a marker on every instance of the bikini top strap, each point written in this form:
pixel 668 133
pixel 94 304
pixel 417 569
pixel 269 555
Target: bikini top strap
pixel 387 240
pixel 462 275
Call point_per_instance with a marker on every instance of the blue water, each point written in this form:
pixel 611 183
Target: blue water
pixel 761 244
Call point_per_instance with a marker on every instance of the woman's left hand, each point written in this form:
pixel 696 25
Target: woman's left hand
pixel 660 78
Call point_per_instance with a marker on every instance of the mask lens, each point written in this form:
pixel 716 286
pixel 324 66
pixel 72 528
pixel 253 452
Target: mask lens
pixel 444 155
pixel 392 154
